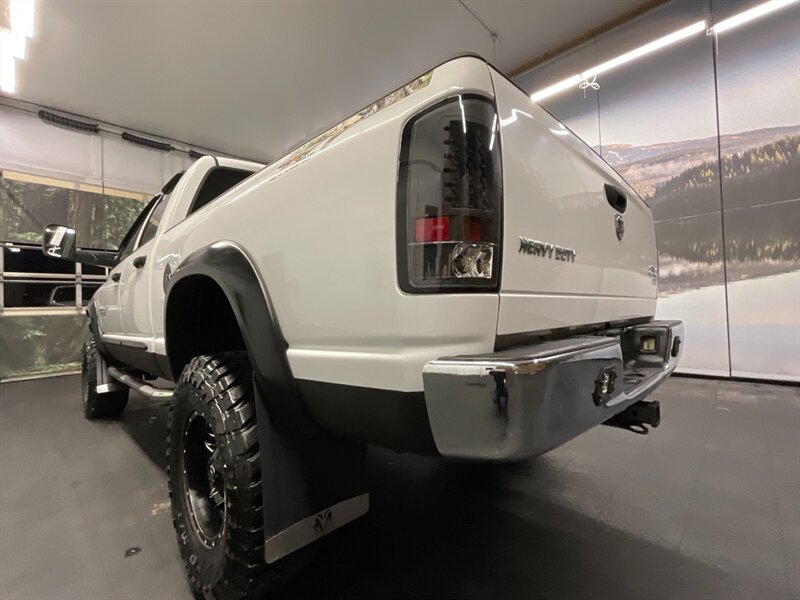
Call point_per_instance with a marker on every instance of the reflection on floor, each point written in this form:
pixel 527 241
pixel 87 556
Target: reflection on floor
pixel 706 506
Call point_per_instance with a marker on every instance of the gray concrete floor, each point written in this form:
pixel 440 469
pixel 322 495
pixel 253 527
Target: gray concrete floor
pixel 705 506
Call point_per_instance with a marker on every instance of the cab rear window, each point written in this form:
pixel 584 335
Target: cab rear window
pixel 218 181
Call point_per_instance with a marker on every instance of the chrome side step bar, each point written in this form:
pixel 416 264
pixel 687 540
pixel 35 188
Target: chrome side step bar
pixel 139 385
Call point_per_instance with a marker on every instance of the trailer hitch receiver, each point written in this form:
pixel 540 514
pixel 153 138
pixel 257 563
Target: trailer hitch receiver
pixel 637 416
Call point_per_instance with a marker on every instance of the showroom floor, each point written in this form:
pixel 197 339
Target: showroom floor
pixel 706 506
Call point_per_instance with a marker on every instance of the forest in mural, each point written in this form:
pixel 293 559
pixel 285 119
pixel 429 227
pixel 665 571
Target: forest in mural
pixel 27 208
pixel 759 169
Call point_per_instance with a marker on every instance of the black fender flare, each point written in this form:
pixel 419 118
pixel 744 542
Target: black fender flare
pixel 317 474
pixel 229 266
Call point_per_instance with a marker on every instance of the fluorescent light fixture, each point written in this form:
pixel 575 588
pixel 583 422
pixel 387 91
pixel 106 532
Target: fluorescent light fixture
pixel 12 43
pixel 21 17
pixel 663 42
pixel 667 40
pixel 556 88
pixel 7 73
pixel 749 15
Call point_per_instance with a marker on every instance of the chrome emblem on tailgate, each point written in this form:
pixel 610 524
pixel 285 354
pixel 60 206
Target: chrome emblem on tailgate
pixel 546 250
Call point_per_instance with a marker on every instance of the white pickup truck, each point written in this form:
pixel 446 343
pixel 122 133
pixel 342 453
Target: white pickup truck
pixel 449 271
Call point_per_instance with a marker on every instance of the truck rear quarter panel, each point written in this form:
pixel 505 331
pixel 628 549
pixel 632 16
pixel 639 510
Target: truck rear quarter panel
pixel 320 229
pixel 319 226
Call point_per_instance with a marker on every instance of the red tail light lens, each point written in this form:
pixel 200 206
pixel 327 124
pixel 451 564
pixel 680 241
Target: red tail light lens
pixel 450 198
pixel 432 229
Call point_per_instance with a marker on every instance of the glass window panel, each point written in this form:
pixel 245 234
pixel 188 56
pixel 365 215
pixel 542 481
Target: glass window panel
pixel 63 295
pixel 40 344
pixel 759 119
pixel 119 215
pixel 92 270
pixel 100 221
pixel 154 220
pixel 31 259
pixel 217 182
pixel 658 125
pixel 26 208
pixel 30 294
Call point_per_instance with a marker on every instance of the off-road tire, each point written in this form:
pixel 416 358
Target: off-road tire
pixel 108 405
pixel 217 388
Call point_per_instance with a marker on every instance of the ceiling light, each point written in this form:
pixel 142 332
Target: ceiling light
pixel 556 88
pixel 7 73
pixel 663 42
pixel 749 15
pixel 21 16
pixel 17 26
pixel 12 43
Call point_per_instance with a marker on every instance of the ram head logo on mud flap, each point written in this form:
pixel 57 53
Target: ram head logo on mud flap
pixel 322 521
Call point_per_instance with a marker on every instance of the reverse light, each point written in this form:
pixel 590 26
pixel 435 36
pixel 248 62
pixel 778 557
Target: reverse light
pixel 472 260
pixel 649 345
pixel 449 198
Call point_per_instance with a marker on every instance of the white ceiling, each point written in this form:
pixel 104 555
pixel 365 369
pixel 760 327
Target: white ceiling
pixel 255 79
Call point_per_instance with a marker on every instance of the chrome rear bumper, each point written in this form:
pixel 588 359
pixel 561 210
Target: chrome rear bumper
pixel 525 401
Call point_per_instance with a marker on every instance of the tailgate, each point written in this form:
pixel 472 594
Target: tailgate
pixel 569 257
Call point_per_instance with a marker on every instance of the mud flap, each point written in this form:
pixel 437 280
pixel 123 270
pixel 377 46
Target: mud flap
pixel 105 383
pixel 312 483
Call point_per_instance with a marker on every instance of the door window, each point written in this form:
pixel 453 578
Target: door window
pixel 128 243
pixel 154 220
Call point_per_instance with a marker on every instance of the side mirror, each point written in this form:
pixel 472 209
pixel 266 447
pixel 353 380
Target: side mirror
pixel 59 241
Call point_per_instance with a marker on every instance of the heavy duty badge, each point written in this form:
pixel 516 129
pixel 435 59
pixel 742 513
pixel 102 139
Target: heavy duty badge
pixel 545 250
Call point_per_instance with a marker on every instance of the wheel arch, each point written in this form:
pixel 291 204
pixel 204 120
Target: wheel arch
pixel 319 476
pixel 199 299
pixel 222 279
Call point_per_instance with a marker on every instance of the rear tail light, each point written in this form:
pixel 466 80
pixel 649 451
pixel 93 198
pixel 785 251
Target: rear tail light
pixel 450 198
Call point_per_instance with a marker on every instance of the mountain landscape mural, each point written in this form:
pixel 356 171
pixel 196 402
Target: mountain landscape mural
pixel 680 181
